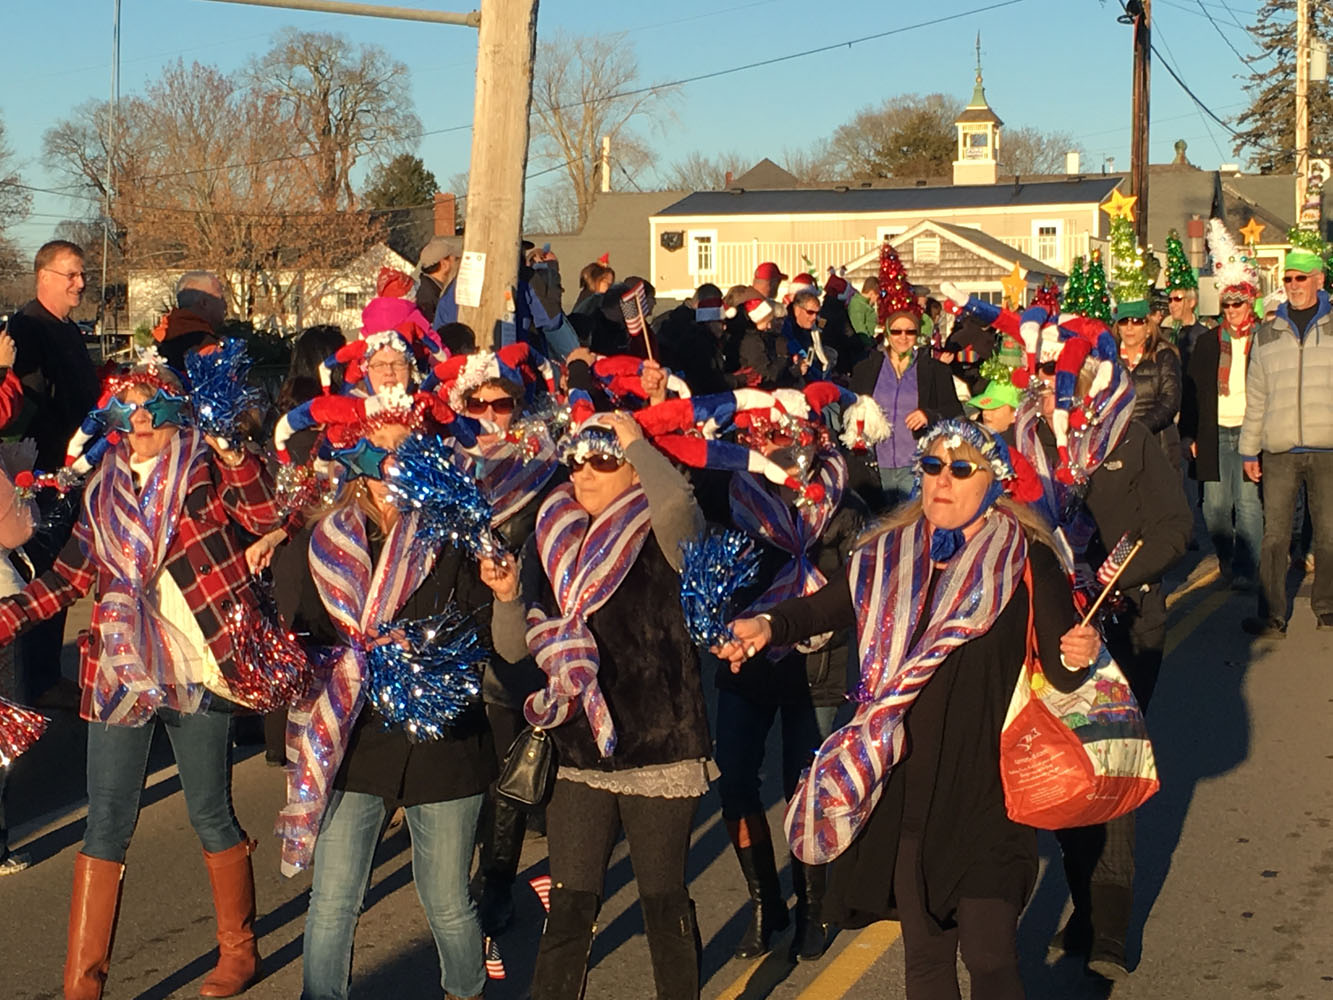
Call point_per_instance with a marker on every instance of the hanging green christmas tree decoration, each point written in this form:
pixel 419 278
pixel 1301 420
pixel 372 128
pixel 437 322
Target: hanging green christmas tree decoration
pixel 1076 288
pixel 1098 302
pixel 1179 274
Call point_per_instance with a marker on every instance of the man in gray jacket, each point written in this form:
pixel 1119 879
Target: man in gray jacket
pixel 1287 438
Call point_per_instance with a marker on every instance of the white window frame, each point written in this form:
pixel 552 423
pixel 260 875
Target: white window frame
pixel 691 236
pixel 888 232
pixel 1059 226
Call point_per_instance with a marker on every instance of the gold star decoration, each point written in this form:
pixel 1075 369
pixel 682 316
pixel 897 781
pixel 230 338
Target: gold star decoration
pixel 1253 230
pixel 1120 205
pixel 1015 288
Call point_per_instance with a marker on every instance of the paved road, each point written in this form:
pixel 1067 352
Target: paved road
pixel 1235 864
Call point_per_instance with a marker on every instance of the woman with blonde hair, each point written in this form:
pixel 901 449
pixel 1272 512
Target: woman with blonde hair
pixel 906 799
pixel 1155 367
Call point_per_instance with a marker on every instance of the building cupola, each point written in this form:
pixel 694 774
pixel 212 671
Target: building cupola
pixel 978 159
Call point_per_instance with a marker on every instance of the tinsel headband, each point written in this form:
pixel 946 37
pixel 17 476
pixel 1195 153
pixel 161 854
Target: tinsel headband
pixel 944 542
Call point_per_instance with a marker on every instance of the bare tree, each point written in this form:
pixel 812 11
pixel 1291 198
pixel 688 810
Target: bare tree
pixel 698 172
pixel 908 135
pixel 1026 150
pixel 584 88
pixel 15 200
pixel 810 167
pixel 341 101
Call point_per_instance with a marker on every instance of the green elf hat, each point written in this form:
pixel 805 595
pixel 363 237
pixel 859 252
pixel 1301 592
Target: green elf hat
pixel 1133 309
pixel 1307 252
pixel 995 395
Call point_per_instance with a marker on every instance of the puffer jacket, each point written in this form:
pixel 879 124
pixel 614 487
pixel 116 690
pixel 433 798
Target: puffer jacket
pixel 1157 398
pixel 1289 385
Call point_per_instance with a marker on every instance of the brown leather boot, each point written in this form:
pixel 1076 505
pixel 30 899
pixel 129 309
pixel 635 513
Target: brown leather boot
pixel 93 908
pixel 233 879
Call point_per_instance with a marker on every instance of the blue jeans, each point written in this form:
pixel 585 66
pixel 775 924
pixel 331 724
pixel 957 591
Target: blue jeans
pixel 1236 545
pixel 118 762
pixel 742 732
pixel 443 834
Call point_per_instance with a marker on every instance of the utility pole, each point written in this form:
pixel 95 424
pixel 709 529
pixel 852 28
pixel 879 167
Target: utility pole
pixel 1141 13
pixel 506 48
pixel 113 109
pixel 604 165
pixel 1302 105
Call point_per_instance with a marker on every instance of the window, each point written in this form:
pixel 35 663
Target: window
pixel 994 298
pixel 703 252
pixel 351 300
pixel 1047 237
pixel 883 233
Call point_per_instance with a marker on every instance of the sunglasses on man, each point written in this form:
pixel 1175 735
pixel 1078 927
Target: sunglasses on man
pixel 501 407
pixel 1300 279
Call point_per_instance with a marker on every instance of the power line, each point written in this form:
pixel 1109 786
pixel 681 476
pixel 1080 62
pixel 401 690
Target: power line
pixel 1216 145
pixel 1209 112
pixel 1218 28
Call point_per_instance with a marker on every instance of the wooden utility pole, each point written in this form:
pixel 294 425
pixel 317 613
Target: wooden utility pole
pixel 1138 171
pixel 1302 104
pixel 506 47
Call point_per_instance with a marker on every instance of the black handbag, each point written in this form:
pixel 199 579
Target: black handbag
pixel 528 775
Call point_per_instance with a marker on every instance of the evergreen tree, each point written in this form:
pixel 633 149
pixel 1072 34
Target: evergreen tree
pixel 1266 130
pixel 400 193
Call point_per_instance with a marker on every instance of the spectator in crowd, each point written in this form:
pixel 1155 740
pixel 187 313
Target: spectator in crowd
pixel 768 277
pixel 1156 369
pixel 541 271
pixel 997 405
pixel 862 310
pixel 594 280
pixel 914 390
pixel 754 347
pixel 803 336
pixel 931 844
pixel 59 387
pixel 1185 328
pixel 693 340
pixel 1286 438
pixel 196 322
pixel 632 756
pixel 439 269
pixel 459 338
pixel 1212 411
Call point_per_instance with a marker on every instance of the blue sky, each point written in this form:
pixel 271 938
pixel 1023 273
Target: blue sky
pixel 1056 64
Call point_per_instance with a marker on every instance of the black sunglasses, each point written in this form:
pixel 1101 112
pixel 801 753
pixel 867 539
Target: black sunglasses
pixel 500 407
pixel 959 468
pixel 1289 278
pixel 1135 320
pixel 599 463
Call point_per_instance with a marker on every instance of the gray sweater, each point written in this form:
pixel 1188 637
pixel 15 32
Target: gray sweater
pixel 1289 386
pixel 675 518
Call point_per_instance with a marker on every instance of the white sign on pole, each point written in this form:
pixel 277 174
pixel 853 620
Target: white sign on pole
pixel 471 273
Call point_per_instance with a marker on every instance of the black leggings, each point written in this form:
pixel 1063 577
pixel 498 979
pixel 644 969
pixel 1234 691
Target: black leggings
pixel 985 929
pixel 582 824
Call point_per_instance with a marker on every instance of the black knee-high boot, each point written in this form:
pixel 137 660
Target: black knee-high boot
pixel 562 956
pixel 500 852
pixel 811 937
pixel 754 850
pixel 673 942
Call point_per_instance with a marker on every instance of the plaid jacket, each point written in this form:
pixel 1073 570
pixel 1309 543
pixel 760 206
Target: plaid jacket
pixel 206 559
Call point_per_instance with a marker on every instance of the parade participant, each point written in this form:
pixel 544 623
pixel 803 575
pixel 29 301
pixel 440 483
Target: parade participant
pixel 598 600
pixel 1182 282
pixel 801 547
pixel 1092 457
pixel 359 567
pixel 1156 368
pixel 1212 410
pixel 911 387
pixel 396 344
pixel 1286 439
pixel 924 834
pixel 862 312
pixel 998 404
pixel 837 329
pixel 158 538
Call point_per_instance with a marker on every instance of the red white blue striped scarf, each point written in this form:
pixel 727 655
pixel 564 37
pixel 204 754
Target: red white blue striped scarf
pixel 509 477
pixel 358 597
pixel 585 559
pixel 793 528
pixel 141 654
pixel 889 578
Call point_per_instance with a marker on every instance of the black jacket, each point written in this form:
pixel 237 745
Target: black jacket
pixel 1198 406
pixel 387 762
pixel 58 378
pixel 764 351
pixel 935 396
pixel 1157 395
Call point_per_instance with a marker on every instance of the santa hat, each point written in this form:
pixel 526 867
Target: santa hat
pixel 757 310
pixel 1233 270
pixel 709 310
pixel 803 282
pixel 838 287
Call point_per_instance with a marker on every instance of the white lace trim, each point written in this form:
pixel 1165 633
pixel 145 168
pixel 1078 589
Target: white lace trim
pixel 684 779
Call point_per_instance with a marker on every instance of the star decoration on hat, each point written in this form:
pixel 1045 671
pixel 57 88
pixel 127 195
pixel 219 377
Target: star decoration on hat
pixel 1120 205
pixel 115 416
pixel 1015 288
pixel 363 460
pixel 1254 229
pixel 166 408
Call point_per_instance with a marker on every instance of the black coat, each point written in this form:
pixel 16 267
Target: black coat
pixel 1198 407
pixel 946 792
pixel 1157 395
pixel 763 351
pixel 387 762
pixel 935 396
pixel 58 378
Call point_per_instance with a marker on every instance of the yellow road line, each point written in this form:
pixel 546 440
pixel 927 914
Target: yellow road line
pixel 1201 612
pixel 842 973
pixel 738 987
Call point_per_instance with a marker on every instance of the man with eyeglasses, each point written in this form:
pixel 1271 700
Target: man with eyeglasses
pixel 60 386
pixel 1286 439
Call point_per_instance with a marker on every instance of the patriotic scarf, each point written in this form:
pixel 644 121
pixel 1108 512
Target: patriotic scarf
pixel 889 578
pixel 509 477
pixel 585 559
pixel 1224 335
pixel 358 596
pixel 142 656
pixel 794 529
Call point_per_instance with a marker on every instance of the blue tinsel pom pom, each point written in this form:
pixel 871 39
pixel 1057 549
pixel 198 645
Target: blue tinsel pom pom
pixel 429 675
pixel 450 504
pixel 717 564
pixel 219 387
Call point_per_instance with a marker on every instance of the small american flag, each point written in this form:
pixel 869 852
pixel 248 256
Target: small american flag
pixel 634 307
pixel 541 885
pixel 495 967
pixel 1115 560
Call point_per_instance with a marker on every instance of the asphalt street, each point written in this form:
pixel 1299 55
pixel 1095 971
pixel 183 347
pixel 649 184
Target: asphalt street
pixel 1235 862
